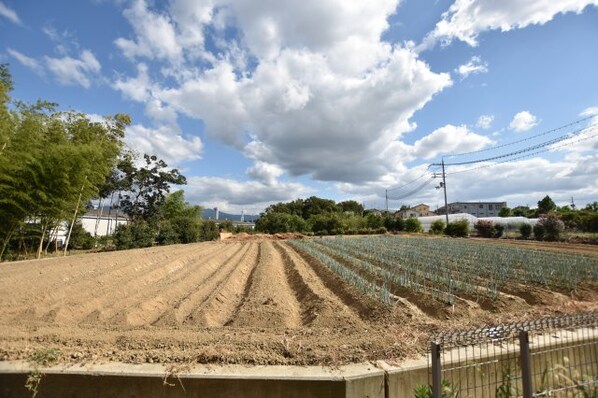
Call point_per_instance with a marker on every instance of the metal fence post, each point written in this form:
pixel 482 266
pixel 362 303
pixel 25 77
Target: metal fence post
pixel 436 371
pixel 526 364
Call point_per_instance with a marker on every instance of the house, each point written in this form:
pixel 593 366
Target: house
pixel 102 222
pixel 478 209
pixel 421 210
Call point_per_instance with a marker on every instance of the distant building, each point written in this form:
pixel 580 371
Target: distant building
pixel 478 209
pixel 421 210
pixel 102 222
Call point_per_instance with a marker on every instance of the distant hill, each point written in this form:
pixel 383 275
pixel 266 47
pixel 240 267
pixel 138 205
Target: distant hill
pixel 210 214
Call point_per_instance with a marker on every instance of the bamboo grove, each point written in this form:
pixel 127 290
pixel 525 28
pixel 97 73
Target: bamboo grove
pixel 51 163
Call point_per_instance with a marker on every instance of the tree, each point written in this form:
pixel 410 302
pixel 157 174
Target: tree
pixel 51 163
pixel 351 206
pixel 504 212
pixel 546 205
pixel 314 206
pixel 146 187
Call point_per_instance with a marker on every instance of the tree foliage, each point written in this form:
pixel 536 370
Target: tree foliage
pixel 51 163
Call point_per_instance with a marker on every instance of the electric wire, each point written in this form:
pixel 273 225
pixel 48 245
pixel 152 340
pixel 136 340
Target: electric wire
pixel 527 149
pixel 523 156
pixel 523 139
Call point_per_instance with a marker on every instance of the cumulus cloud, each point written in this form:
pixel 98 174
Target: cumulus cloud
pixel 165 142
pixel 449 139
pixel 235 195
pixel 485 121
pixel 466 19
pixel 473 67
pixel 155 34
pixel 265 172
pixel 26 61
pixel 307 86
pixel 73 71
pixel 9 14
pixel 135 88
pixel 523 121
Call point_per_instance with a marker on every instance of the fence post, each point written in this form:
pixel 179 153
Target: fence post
pixel 436 371
pixel 526 364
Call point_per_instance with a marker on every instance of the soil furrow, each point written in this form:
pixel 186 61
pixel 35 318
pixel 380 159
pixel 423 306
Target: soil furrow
pixel 39 294
pixel 93 304
pixel 151 306
pixel 224 297
pixel 147 305
pixel 365 307
pixel 320 307
pixel 270 302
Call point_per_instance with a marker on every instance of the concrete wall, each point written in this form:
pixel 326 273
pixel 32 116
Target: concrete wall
pixel 131 381
pixel 479 375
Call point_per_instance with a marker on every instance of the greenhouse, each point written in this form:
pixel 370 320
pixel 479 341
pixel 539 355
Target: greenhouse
pixel 510 223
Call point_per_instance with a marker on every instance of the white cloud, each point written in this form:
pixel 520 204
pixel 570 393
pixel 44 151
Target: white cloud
pixel 72 71
pixel 10 14
pixel 591 111
pixel 29 62
pixel 473 67
pixel 155 34
pixel 165 142
pixel 466 19
pixel 485 121
pixel 135 88
pixel 234 195
pixel 523 121
pixel 449 139
pixel 265 172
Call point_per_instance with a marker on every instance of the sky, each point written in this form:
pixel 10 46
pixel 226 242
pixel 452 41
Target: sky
pixel 263 101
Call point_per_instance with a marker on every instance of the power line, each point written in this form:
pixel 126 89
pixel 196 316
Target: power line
pixel 527 149
pixel 414 191
pixel 527 155
pixel 412 181
pixel 521 140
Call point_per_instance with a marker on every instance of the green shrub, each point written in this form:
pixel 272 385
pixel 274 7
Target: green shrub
pixel 208 231
pixel 485 228
pixel 459 228
pixel 499 229
pixel 437 227
pixel 412 224
pixel 551 225
pixel 539 231
pixel 80 238
pixel 525 230
pixel 123 237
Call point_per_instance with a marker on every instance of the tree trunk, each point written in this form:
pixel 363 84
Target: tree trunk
pixel 52 235
pixel 98 216
pixel 6 240
pixel 68 236
pixel 41 241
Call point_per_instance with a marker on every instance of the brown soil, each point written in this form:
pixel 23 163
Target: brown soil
pixel 252 301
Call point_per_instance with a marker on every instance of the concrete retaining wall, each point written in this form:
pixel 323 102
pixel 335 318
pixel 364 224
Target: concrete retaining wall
pixel 123 380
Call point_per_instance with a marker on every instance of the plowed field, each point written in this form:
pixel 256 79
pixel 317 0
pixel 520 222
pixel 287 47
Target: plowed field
pixel 253 301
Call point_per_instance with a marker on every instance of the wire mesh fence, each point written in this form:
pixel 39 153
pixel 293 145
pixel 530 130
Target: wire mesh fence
pixel 549 357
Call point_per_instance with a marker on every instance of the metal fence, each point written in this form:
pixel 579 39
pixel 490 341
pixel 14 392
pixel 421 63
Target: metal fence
pixel 549 357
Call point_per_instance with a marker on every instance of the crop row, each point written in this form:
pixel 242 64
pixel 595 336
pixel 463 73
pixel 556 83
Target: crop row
pixel 445 267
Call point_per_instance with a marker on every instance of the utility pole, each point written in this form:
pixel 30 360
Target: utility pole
pixel 572 203
pixel 443 185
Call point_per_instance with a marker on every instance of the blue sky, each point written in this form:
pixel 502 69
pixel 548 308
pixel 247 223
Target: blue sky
pixel 264 101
